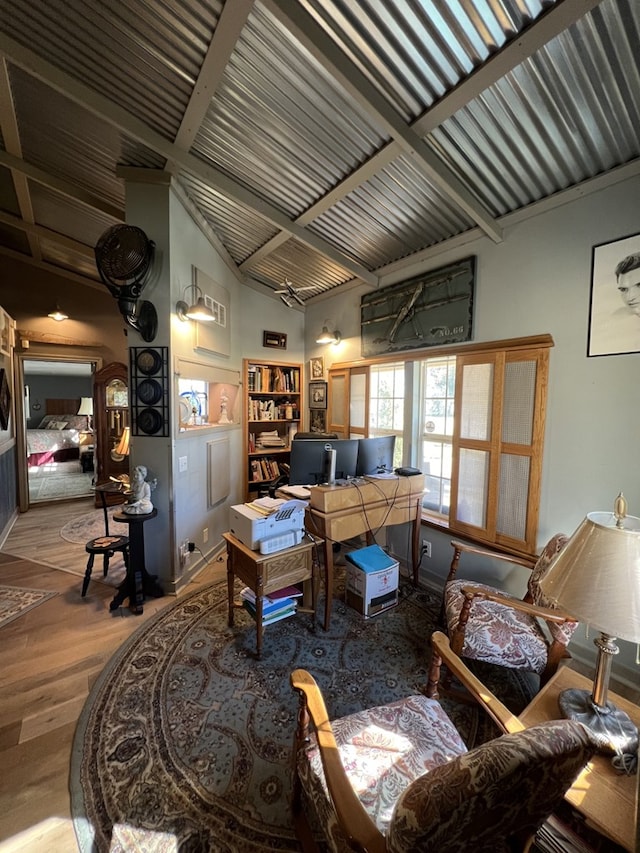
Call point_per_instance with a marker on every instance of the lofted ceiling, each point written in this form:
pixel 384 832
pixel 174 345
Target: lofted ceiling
pixel 327 142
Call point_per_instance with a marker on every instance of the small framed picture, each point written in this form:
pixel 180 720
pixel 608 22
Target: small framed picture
pixel 614 313
pixel 6 341
pixel 317 395
pixel 318 420
pixel 5 399
pixel 276 340
pixel 316 367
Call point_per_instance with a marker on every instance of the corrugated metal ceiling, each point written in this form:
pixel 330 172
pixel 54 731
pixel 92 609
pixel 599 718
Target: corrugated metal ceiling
pixel 321 140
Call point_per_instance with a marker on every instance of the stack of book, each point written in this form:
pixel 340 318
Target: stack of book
pixel 275 606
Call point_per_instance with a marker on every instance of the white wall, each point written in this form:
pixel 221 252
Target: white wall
pixel 538 281
pixel 182 495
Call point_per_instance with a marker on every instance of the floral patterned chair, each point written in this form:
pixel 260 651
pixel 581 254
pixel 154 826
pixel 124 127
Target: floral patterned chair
pixel 489 625
pixel 398 778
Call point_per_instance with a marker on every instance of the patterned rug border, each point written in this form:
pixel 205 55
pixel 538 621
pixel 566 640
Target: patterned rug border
pixel 22 608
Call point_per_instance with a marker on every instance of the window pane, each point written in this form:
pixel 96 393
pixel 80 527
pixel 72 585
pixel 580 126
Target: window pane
pixel 436 466
pixel 472 487
pixel 477 380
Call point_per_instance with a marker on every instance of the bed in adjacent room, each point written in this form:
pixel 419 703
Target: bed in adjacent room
pixel 60 434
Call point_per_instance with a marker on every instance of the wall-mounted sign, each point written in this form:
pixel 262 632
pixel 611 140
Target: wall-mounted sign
pixel 430 310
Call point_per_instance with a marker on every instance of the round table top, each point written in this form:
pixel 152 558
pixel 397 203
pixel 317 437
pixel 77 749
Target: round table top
pixel 133 517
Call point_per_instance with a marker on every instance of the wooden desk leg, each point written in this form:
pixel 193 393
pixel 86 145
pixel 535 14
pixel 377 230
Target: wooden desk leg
pixel 416 543
pixel 328 581
pixel 230 577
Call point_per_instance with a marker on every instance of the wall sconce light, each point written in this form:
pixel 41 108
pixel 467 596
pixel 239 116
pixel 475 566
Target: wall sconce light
pixel 86 408
pixel 197 309
pixel 327 337
pixel 58 314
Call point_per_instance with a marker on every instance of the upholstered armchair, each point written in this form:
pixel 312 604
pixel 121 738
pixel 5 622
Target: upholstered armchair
pixel 398 778
pixel 486 624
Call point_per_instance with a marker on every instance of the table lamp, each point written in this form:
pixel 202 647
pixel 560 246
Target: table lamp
pixel 122 447
pixel 596 578
pixel 86 408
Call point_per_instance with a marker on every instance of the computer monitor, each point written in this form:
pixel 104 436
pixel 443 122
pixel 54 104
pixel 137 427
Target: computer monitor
pixel 308 460
pixel 375 455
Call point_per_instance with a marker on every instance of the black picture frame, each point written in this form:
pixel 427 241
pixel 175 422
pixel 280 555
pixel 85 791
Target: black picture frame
pixel 614 305
pixel 317 395
pixel 5 399
pixel 429 310
pixel 275 340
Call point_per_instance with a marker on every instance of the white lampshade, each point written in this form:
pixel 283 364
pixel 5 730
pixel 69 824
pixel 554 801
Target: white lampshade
pixel 596 577
pixel 86 406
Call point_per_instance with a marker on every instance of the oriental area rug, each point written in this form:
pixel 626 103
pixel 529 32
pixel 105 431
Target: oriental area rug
pixel 185 741
pixel 17 600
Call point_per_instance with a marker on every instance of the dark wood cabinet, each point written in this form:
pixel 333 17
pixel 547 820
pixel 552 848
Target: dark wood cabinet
pixel 110 421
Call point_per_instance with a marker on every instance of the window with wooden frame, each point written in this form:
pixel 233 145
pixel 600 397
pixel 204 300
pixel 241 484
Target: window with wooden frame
pixel 472 418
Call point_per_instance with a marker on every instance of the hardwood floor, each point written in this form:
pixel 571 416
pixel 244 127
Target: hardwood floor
pixel 51 656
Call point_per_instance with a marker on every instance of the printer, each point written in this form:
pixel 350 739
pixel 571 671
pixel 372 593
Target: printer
pixel 252 527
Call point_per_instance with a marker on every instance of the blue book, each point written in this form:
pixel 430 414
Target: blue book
pixel 269 607
pixel 274 614
pixel 371 559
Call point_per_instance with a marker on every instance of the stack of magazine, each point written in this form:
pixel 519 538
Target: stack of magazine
pixel 275 606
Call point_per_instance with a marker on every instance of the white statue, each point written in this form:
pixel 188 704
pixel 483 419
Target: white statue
pixel 140 501
pixel 224 416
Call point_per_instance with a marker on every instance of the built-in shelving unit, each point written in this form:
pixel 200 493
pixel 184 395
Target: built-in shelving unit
pixel 273 407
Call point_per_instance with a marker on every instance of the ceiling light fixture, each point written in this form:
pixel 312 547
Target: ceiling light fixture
pixel 327 337
pixel 58 315
pixel 197 310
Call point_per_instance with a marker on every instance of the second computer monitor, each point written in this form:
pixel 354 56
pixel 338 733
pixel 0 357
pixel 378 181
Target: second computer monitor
pixel 308 460
pixel 375 455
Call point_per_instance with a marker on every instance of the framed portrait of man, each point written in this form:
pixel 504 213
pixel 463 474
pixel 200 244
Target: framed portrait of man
pixel 614 311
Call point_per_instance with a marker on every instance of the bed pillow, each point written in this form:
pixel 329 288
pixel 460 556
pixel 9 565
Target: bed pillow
pixel 44 423
pixel 79 422
pixel 57 425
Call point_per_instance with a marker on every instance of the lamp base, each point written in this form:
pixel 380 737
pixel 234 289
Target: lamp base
pixel 612 728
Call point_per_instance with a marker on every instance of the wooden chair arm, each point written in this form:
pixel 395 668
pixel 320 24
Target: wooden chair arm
pixel 460 548
pixel 545 613
pixel 354 820
pixel 499 713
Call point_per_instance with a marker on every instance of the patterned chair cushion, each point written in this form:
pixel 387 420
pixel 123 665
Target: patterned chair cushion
pixel 496 633
pixel 474 801
pixel 383 751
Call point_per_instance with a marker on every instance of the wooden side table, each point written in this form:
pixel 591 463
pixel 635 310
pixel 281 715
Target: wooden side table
pixel 265 573
pixel 606 799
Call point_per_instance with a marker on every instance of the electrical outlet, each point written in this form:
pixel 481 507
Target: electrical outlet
pixel 426 548
pixel 205 535
pixel 182 464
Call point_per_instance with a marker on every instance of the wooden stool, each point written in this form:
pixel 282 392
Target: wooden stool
pixel 107 546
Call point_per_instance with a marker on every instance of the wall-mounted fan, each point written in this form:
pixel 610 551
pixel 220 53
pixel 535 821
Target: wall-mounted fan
pixel 123 256
pixel 288 292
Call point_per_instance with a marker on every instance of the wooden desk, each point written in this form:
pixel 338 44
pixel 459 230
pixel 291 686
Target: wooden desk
pixel 265 573
pixel 338 513
pixel 607 800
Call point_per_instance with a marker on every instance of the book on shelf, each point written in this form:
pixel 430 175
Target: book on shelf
pixel 278 595
pixel 275 613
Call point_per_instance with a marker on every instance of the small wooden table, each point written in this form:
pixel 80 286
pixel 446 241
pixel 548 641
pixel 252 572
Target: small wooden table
pixel 606 799
pixel 265 573
pixel 138 583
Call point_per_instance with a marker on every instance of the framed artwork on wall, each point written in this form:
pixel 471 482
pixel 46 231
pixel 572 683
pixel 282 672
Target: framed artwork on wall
pixel 5 399
pixel 5 333
pixel 277 340
pixel 614 311
pixel 432 309
pixel 316 367
pixel 318 420
pixel 317 395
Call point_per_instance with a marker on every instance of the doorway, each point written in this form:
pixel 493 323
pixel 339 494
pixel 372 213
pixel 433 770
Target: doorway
pixel 55 436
